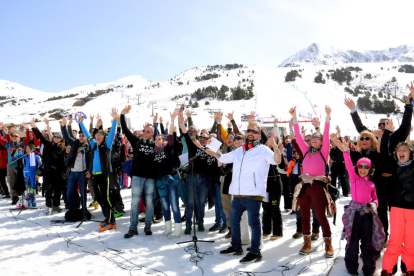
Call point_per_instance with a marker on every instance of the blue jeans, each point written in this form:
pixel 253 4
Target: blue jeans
pixel 74 178
pixel 171 199
pixel 200 190
pixel 138 184
pixel 218 208
pixel 238 206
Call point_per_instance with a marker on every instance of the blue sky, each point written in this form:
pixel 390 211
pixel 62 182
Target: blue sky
pixel 57 45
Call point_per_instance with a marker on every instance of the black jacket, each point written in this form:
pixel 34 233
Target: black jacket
pixel 104 156
pixel 166 162
pixel 143 164
pixel 70 162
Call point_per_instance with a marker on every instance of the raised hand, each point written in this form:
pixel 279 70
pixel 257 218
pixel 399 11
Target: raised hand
pixel 292 112
pixel 71 120
pixel 281 147
pixel 229 125
pixel 230 116
pixel 174 115
pixel 218 117
pixel 377 133
pixel 98 123
pixel 315 122
pixel 328 110
pixel 180 118
pixel 6 129
pixel 291 124
pixel 91 117
pixel 80 118
pixel 32 124
pixel 303 130
pixel 64 121
pixel 46 121
pixel 155 118
pixel 252 115
pixel 160 120
pixel 1 125
pixel 389 125
pixel 114 113
pixel 126 110
pixel 349 103
pixel 272 142
pixel 188 113
pixel 25 125
pixel 338 129
pixel 185 120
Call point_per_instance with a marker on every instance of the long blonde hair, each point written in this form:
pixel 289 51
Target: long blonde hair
pixel 374 141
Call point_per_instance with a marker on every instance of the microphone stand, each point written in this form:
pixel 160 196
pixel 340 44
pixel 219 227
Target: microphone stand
pixel 195 239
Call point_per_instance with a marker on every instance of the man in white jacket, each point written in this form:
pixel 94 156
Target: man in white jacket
pixel 250 169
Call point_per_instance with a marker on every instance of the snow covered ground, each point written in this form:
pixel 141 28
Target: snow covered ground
pixel 30 245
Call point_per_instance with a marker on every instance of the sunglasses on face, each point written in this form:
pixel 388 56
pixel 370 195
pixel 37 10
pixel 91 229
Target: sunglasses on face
pixel 15 136
pixel 307 140
pixel 237 138
pixel 81 135
pixel 252 131
pixel 57 137
pixel 363 167
pixel 364 138
pixel 381 124
pixel 146 131
pixel 203 138
pixel 192 130
pixel 317 137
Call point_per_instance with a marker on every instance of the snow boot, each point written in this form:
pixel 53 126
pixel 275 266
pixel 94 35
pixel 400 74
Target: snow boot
pixel 168 228
pixel 49 211
pixel 329 251
pixel 306 245
pixel 57 209
pixel 130 234
pixel 34 204
pixel 188 229
pixel 201 226
pixel 147 231
pixel 251 258
pixel 177 230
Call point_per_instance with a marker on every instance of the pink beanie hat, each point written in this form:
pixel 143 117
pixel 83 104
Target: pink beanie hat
pixel 364 160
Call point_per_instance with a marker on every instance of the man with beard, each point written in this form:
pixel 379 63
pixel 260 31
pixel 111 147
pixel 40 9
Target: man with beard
pixel 198 174
pixel 250 170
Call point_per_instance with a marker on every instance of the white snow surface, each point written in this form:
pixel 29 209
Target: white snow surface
pixel 29 245
pixel 319 54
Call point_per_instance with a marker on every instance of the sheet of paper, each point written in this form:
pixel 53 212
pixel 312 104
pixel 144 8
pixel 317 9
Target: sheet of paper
pixel 214 145
pixel 183 158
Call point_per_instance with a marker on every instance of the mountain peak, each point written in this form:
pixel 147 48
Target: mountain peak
pixel 317 54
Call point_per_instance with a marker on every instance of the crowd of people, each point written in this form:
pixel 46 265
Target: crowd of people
pixel 245 178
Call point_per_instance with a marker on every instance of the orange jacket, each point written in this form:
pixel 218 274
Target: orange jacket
pixel 292 164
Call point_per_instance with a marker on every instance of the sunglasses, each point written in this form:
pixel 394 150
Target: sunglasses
pixel 253 131
pixel 57 137
pixel 317 137
pixel 203 138
pixel 146 131
pixel 307 140
pixel 364 138
pixel 81 135
pixel 14 136
pixel 381 124
pixel 363 167
pixel 237 138
pixel 192 130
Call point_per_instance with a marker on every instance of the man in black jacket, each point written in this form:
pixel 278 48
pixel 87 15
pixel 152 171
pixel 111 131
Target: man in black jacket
pixel 79 157
pixel 143 174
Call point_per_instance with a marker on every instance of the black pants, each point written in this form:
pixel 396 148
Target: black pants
pixel 101 182
pixel 340 171
pixel 272 214
pixel 3 174
pixel 315 223
pixel 54 186
pixel 287 195
pixel 361 231
pixel 293 181
pixel 115 193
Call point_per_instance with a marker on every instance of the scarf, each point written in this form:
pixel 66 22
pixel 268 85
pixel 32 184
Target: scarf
pixel 313 149
pixel 404 164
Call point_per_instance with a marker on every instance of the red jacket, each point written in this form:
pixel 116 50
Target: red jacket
pixel 3 157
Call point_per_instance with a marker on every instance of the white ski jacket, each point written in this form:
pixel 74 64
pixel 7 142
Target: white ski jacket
pixel 250 170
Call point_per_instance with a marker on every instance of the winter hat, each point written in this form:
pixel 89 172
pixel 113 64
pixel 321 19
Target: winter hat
pixel 364 160
pixel 58 133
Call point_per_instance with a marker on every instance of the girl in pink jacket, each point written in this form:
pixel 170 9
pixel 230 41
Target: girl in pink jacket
pixel 360 219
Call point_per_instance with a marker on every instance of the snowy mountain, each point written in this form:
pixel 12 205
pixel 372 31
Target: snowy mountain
pixel 317 54
pixel 272 95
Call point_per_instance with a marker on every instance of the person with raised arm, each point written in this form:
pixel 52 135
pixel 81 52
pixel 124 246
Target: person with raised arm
pixel 360 219
pixel 100 167
pixel 195 147
pixel 168 181
pixel 53 153
pixel 143 174
pixel 251 164
pixel 315 181
pixel 77 161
